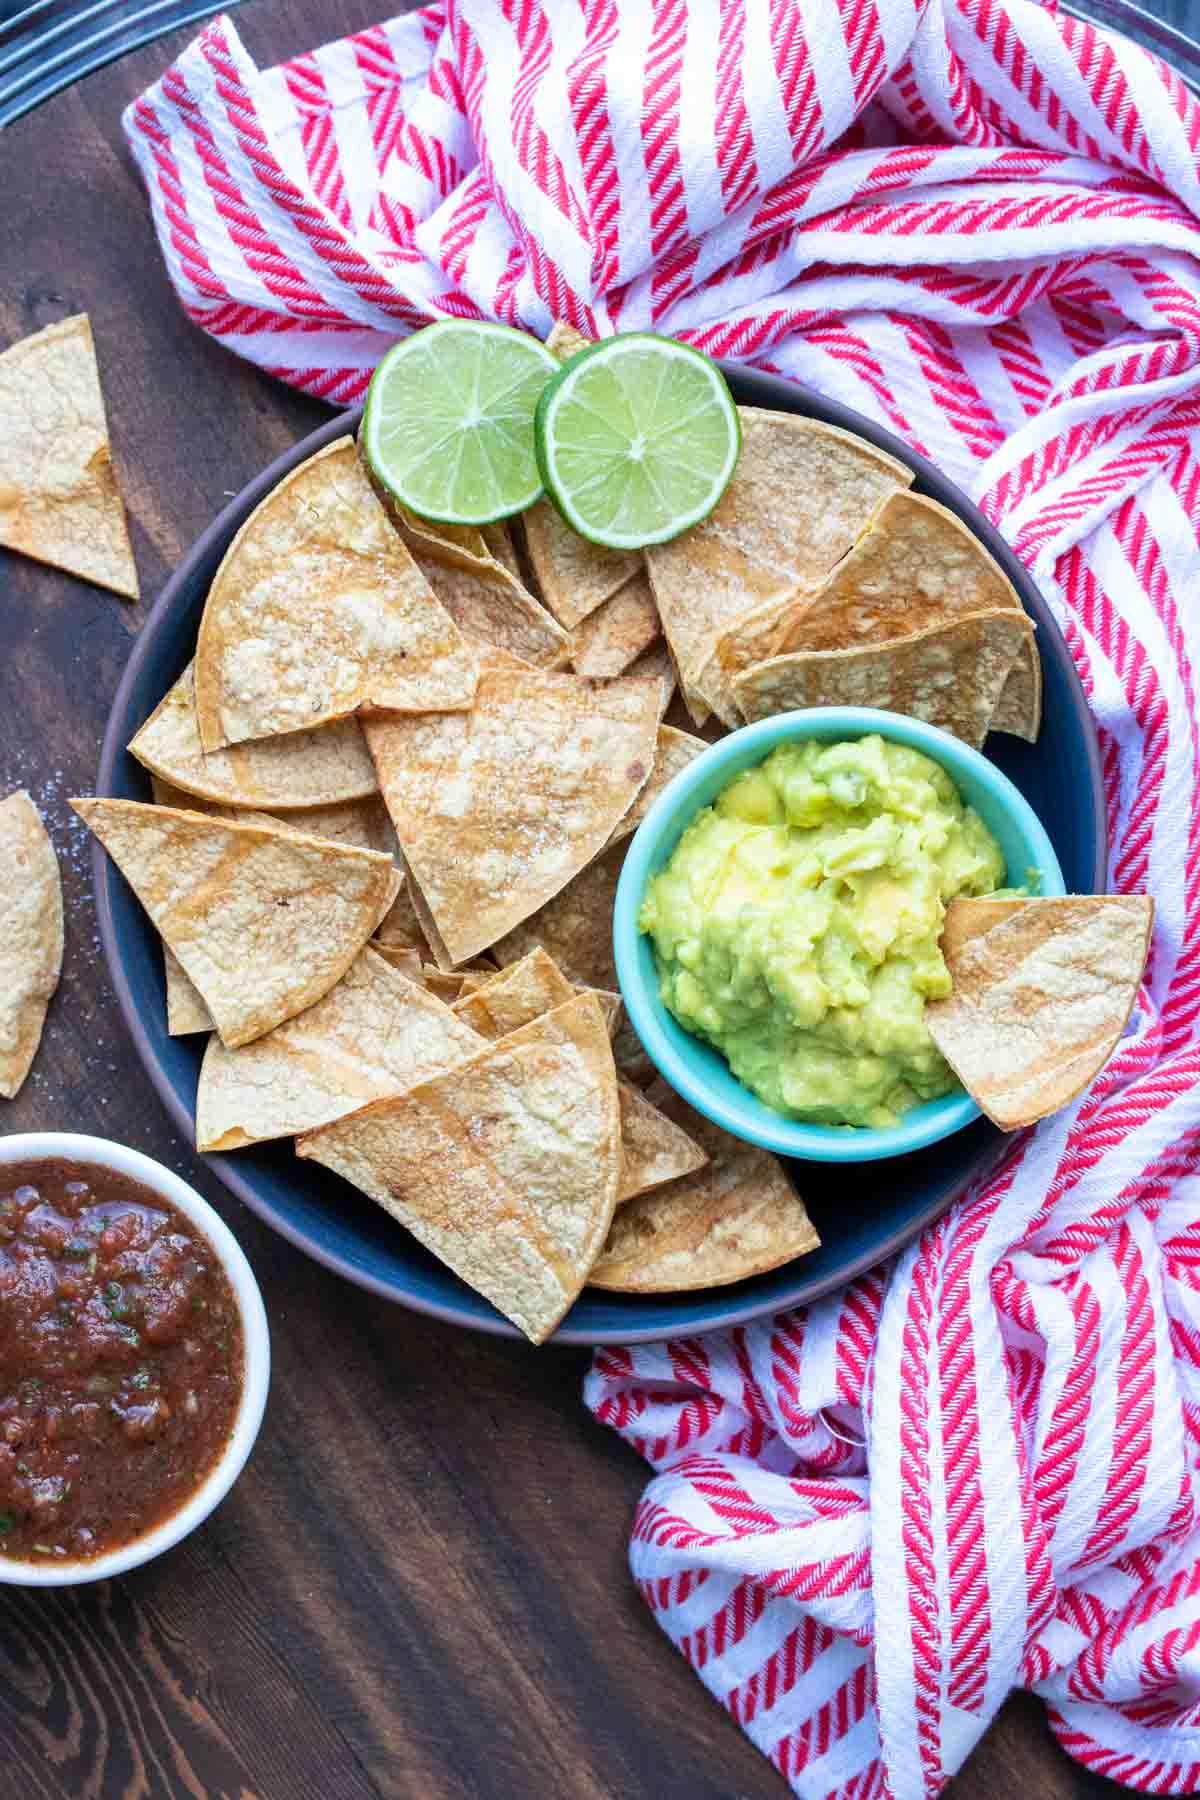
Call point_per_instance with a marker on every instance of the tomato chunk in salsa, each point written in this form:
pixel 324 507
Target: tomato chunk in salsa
pixel 121 1360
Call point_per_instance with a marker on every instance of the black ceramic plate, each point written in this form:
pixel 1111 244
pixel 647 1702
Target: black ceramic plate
pixel 862 1213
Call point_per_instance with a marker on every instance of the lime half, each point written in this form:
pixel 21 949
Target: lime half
pixel 636 439
pixel 448 427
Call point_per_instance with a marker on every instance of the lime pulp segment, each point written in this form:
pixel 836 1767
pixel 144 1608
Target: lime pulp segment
pixel 448 427
pixel 637 438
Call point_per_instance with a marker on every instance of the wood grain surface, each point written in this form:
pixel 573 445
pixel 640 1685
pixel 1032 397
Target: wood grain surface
pixel 419 1585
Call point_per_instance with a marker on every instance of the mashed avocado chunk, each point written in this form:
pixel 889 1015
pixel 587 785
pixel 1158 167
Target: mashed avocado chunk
pixel 796 925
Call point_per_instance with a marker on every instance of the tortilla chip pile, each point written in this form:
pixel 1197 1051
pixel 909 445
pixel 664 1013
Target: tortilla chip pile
pixel 31 936
pixel 388 819
pixel 58 493
pixel 392 800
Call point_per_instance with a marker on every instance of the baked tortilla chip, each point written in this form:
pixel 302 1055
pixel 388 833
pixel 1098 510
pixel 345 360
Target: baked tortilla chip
pixel 491 606
pixel 462 546
pixel 514 996
pixel 505 999
pixel 282 774
pixel 401 929
pixel 951 675
pixel 31 935
pixel 654 665
pixel 263 920
pixel 575 928
pixel 613 636
pixel 738 1216
pixel 59 500
pixel 801 494
pixel 374 1033
pixel 318 610
pixel 969 916
pixel 363 822
pixel 674 751
pixel 917 567
pixel 500 547
pixel 506 1167
pixel 1019 708
pixel 565 341
pixel 400 956
pixel 655 1149
pixel 496 809
pixel 575 576
pixel 186 1011
pixel 1040 1000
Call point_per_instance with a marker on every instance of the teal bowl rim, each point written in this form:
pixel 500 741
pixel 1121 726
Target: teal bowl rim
pixel 680 1058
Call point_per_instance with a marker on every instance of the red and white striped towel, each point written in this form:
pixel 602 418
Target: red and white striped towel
pixel 979 223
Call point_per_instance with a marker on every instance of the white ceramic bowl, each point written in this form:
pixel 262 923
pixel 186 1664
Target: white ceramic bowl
pixel 34 1146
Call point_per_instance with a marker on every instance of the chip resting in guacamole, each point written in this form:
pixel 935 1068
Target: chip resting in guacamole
pixel 796 926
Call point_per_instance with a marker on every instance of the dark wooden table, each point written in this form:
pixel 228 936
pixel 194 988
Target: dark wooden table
pixel 419 1586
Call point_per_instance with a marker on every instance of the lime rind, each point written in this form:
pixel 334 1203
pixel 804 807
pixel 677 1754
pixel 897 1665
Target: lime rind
pixel 448 424
pixel 637 437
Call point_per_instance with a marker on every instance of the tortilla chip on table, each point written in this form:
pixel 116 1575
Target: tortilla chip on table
pixel 59 500
pixel 31 936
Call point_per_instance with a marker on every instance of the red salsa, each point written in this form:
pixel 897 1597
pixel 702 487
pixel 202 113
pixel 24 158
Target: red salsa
pixel 120 1360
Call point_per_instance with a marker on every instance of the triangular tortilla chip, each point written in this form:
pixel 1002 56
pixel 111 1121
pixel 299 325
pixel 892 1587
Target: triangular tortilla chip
pixel 575 928
pixel 498 539
pixel 31 935
pixel 506 1167
pixel 186 1011
pixel 400 956
pixel 263 920
pixel 374 1033
pixel 491 606
pixel 566 341
pixel 281 774
pixel 514 996
pixel 613 636
pixel 801 494
pixel 401 928
pixel 1040 1000
pixel 655 1149
pixel 501 1002
pixel 916 567
pixel 629 1056
pixel 574 575
pixel 951 675
pixel 674 751
pixel 498 808
pixel 737 1217
pixel 59 500
pixel 969 916
pixel 462 546
pixel 654 665
pixel 1019 708
pixel 318 610
pixel 363 822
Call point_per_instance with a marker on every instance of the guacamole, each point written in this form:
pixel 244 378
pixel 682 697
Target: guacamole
pixel 796 925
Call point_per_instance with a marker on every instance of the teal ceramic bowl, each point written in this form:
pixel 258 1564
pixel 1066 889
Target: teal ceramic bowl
pixel 693 1068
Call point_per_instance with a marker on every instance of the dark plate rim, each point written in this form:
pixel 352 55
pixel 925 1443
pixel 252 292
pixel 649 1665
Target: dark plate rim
pixel 793 397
